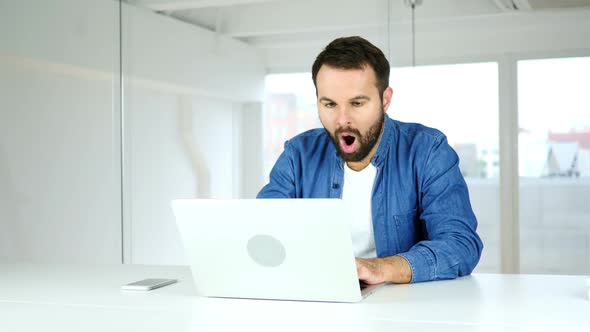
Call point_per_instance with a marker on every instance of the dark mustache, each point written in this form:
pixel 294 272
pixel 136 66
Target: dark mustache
pixel 346 131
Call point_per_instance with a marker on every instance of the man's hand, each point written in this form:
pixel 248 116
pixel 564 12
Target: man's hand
pixel 392 269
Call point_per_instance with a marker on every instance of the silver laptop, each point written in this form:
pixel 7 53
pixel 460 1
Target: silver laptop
pixel 286 249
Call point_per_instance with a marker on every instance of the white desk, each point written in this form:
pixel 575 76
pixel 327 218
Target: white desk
pixel 87 298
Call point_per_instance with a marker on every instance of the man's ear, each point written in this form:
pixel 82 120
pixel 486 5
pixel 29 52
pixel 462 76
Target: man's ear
pixel 387 94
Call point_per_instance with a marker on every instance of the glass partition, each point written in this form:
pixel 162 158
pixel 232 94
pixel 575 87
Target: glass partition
pixel 59 131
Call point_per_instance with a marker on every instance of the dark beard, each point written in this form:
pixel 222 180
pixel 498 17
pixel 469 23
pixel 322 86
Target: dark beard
pixel 366 142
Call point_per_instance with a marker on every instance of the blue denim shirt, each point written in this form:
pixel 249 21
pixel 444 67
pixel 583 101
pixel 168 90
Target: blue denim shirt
pixel 420 203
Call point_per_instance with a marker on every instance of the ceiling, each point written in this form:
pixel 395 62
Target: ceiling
pixel 287 33
pixel 264 22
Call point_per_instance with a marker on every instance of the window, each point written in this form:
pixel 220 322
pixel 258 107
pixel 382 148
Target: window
pixel 289 108
pixel 554 165
pixel 460 100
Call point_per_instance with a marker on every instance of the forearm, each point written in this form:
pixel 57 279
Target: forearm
pixel 397 270
pixel 392 269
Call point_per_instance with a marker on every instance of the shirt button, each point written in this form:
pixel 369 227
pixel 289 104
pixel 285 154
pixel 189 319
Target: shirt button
pixel 335 186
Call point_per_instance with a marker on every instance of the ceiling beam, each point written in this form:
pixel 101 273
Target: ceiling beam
pixel 311 16
pixel 173 5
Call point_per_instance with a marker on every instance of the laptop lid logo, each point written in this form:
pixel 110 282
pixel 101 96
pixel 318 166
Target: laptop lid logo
pixel 266 250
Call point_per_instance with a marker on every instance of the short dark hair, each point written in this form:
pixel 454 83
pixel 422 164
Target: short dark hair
pixel 353 53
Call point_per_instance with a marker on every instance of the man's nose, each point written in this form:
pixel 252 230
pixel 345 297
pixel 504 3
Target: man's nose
pixel 344 119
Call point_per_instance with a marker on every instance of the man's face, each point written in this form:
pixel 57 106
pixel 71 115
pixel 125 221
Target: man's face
pixel 351 110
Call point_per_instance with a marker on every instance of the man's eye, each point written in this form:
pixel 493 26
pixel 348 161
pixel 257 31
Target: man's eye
pixel 357 104
pixel 330 105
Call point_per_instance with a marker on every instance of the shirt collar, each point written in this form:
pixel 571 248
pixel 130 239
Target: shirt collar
pixel 385 142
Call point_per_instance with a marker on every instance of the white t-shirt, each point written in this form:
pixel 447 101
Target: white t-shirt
pixel 356 193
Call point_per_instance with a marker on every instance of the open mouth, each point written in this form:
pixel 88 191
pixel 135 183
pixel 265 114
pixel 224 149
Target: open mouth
pixel 348 142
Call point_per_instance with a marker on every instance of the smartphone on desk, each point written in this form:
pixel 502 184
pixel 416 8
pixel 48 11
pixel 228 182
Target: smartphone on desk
pixel 148 284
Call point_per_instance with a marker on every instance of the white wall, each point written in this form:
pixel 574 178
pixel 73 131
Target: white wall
pixel 252 158
pixel 187 94
pixel 59 172
pixel 175 148
pixel 181 58
pixel 60 149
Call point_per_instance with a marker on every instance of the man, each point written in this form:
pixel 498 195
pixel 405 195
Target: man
pixel 411 218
